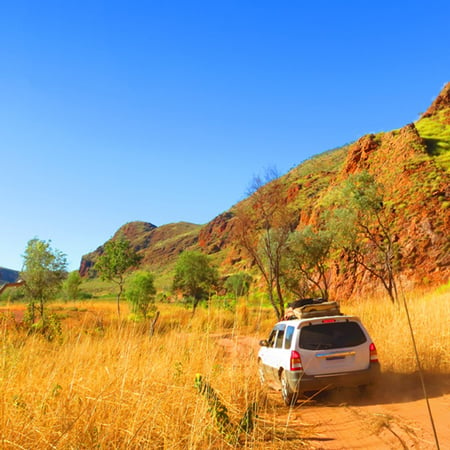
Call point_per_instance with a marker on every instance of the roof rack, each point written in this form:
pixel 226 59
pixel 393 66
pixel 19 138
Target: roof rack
pixel 312 307
pixel 317 310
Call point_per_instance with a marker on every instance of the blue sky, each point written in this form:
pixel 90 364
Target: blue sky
pixel 114 111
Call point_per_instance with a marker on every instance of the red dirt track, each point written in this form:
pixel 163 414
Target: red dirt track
pixel 393 415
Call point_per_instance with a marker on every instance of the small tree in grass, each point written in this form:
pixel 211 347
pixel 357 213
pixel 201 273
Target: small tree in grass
pixel 117 258
pixel 44 270
pixel 140 293
pixel 238 284
pixel 194 276
pixel 71 285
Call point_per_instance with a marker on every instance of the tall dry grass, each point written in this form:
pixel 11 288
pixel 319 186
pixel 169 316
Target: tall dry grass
pixel 108 386
pixel 114 387
pixel 388 326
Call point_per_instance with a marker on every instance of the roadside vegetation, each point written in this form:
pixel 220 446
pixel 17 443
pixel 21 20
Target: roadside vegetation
pixel 436 133
pixel 127 357
pixel 105 383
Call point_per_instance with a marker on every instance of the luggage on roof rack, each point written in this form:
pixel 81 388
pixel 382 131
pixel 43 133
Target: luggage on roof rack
pixel 306 301
pixel 307 308
pixel 318 310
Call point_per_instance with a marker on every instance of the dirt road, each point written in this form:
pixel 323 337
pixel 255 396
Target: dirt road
pixel 393 415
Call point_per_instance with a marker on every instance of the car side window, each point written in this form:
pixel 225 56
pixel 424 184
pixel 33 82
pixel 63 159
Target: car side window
pixel 280 336
pixel 271 339
pixel 289 335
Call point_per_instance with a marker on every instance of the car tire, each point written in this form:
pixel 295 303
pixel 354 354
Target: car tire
pixel 289 396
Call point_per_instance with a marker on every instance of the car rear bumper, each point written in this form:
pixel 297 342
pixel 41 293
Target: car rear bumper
pixel 300 382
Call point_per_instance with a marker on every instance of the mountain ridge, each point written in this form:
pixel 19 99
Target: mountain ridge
pixel 412 163
pixel 154 243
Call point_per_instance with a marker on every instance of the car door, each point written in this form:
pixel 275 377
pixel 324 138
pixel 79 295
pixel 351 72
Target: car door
pixel 278 358
pixel 267 355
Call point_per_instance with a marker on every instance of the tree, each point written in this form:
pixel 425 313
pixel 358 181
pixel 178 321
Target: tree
pixel 140 293
pixel 307 272
pixel 117 258
pixel 194 276
pixel 364 227
pixel 71 285
pixel 44 270
pixel 262 227
pixel 238 284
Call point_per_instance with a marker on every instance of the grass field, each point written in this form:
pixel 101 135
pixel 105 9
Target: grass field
pixel 110 386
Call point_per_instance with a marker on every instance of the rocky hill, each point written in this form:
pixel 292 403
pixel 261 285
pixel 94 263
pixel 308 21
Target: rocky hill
pixel 413 165
pixel 158 246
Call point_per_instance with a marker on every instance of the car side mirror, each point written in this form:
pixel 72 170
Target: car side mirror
pixel 264 343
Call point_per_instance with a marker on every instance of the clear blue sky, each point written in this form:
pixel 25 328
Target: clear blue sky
pixel 114 111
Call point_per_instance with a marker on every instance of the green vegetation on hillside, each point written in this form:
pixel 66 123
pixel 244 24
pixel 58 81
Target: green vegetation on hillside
pixel 410 165
pixel 437 137
pixel 328 161
pixel 313 176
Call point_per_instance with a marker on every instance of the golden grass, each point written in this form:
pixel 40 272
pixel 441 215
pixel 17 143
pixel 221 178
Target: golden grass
pixel 388 326
pixel 114 387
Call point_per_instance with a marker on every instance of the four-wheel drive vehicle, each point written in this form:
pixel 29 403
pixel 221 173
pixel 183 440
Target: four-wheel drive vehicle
pixel 319 348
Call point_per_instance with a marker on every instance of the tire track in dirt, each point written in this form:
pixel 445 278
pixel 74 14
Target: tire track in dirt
pixel 344 420
pixel 393 415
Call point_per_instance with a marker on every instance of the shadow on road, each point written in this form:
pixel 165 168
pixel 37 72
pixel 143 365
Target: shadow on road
pixel 391 388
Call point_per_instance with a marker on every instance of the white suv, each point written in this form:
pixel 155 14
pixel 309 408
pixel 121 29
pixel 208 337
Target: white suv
pixel 317 348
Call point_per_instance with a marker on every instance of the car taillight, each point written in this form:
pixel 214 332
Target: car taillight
pixel 296 361
pixel 373 353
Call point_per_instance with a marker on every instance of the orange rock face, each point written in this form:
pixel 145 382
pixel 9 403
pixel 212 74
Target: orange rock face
pixel 417 191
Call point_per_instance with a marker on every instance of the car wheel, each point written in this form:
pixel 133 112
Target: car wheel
pixel 261 374
pixel 289 396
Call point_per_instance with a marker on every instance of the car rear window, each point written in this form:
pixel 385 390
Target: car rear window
pixel 331 335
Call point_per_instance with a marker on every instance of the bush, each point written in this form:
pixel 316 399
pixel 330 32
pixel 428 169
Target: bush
pixel 140 293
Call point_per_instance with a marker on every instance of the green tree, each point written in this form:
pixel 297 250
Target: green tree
pixel 140 293
pixel 194 276
pixel 238 284
pixel 71 285
pixel 364 227
pixel 117 258
pixel 44 270
pixel 307 272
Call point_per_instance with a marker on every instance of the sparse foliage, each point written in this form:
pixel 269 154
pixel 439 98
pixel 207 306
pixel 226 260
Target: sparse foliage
pixel 71 285
pixel 363 226
pixel 194 276
pixel 307 271
pixel 262 228
pixel 117 258
pixel 238 284
pixel 44 270
pixel 140 293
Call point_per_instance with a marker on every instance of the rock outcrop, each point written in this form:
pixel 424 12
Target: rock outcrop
pixel 404 161
pixel 440 103
pixel 158 246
